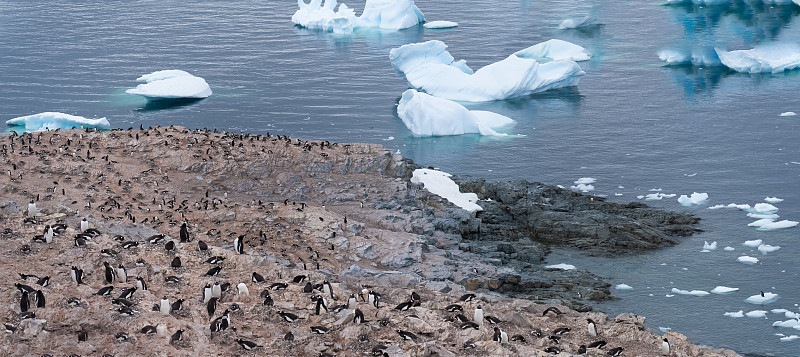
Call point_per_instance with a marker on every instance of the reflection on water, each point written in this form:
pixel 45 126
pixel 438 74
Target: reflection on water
pixel 168 104
pixel 752 22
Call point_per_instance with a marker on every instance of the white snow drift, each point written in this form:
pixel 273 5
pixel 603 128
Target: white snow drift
pixel 428 67
pixel 383 14
pixel 439 183
pixel 426 115
pixel 56 120
pixel 171 84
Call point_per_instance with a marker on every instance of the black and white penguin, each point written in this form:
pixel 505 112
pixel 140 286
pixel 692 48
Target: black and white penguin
pixel 214 271
pixel 278 286
pixel 582 349
pixel 500 335
pixel 156 238
pixel 453 308
pixel 105 291
pixel 466 297
pixel 109 273
pixel 184 233
pixel 215 260
pixel 242 289
pixel 177 305
pixel 308 288
pixel 177 336
pixel 148 330
pixel 405 335
pixel 518 338
pixel 238 244
pixel 615 351
pixel 44 281
pixel 492 320
pixel 202 245
pixel 127 293
pixel 288 316
pixel 416 298
pixel 125 311
pixel 319 330
pixel 298 279
pixel 176 263
pixel 247 345
pixel 216 290
pixel 169 246
pixel 211 307
pixel 597 344
pixel 665 347
pixel 478 316
pixel 405 305
pixel 141 284
pixel 24 303
pixel 48 234
pixel 592 327
pixel 84 224
pixel 552 309
pixel 82 336
pixel 469 324
pixel 289 336
pixel 165 307
pixel 122 274
pixel 257 278
pixel 32 209
pixel 327 289
pixel 206 293
pixel 129 245
pixel 77 275
pixel 358 317
pixel 321 304
pixel 351 301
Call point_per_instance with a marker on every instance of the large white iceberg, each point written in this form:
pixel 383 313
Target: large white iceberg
pixel 55 120
pixel 426 115
pixel 774 58
pixel 428 67
pixel 171 84
pixel 554 50
pixel 384 14
pixel 439 183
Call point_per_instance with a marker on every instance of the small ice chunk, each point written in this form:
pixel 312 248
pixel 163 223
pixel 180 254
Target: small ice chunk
pixel 743 207
pixel 439 183
pixel 764 208
pixel 585 180
pixel 756 313
pixel 778 311
pixel 715 207
pixel 739 313
pixel 761 222
pixel 747 260
pixel 778 225
pixel 791 315
pixel 658 196
pixel 752 243
pixel 171 84
pixel 787 323
pixel 729 249
pixel 762 300
pixel 56 120
pixel 561 266
pixel 766 248
pixel 711 246
pixel 693 200
pixel 692 293
pixel 723 290
pixel 577 22
pixel 623 287
pixel 789 338
pixel 788 114
pixel 774 199
pixel 771 217
pixel 582 187
pixel 664 329
pixel 440 24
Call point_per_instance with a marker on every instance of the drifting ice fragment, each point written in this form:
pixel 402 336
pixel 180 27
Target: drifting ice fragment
pixel 729 249
pixel 577 22
pixel 704 56
pixel 171 84
pixel 55 120
pixel 756 313
pixel 787 114
pixel 752 243
pixel 723 290
pixel 739 313
pixel 554 50
pixel 747 260
pixel 775 199
pixel 623 287
pixel 788 323
pixel 692 293
pixel 440 24
pixel 762 300
pixel 426 115
pixel 778 225
pixel 383 14
pixel 775 58
pixel 694 200
pixel 766 248
pixel 711 246
pixel 561 266
pixel 789 338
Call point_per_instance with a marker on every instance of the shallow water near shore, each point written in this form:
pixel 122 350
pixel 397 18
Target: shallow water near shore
pixel 632 123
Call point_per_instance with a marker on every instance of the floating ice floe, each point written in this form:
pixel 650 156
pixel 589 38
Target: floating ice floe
pixel 623 287
pixel 383 14
pixel 426 115
pixel 577 22
pixel 56 120
pixel 774 199
pixel 763 216
pixel 584 184
pixel 561 266
pixel 729 249
pixel 787 323
pixel 440 24
pixel 656 196
pixel 752 243
pixel 766 248
pixel 756 313
pixel 723 290
pixel 747 260
pixel 789 338
pixel 692 293
pixel 171 84
pixel 702 56
pixel 739 313
pixel 763 208
pixel 664 329
pixel 791 315
pixel 695 199
pixel 707 246
pixel 439 183
pixel 762 300
pixel 777 225
pixel 778 311
pixel 554 50
pixel 787 114
pixel 774 58
pixel 428 67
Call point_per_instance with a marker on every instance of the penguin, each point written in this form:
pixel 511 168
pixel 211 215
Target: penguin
pixel 364 294
pixel 405 335
pixel 10 328
pixel 268 301
pixel 184 233
pixel 170 246
pixel 405 306
pixel 176 263
pixel 247 345
pixel 48 234
pixel 148 330
pixel 466 297
pixel 478 316
pixel 257 278
pixel 122 274
pixel 211 307
pixel 125 311
pixel 238 244
pixel 552 309
pixel 351 302
pixel 206 293
pixel 597 344
pixel 375 298
pixel 561 331
pixel 278 286
pixel 127 293
pixel 77 275
pixel 416 298
pixel 202 245
pixel 105 291
pixel 156 238
pixel 141 284
pixel 214 271
pixel 82 336
pixel 469 324
pixel 319 329
pixel 43 282
pixel 289 336
pixel 215 260
pixel 216 290
pixel 518 338
pixel 84 224
pixel 177 336
pixel 320 305
pixel 492 320
pixel 288 316
pixel 24 304
pixel 32 209
pixel 500 335
pixel 177 305
pixel 358 317
pixel 129 245
pixel 165 306
pixel 308 288
pixel 615 351
pixel 109 273
pixel 582 350
pixel 242 287
pixel 553 350
pixel 665 347
pixel 453 308
pixel 592 327
pixel 327 289
pixel 298 279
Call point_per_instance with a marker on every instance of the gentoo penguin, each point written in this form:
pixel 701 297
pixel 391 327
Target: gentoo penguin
pixel 202 245
pixel 466 297
pixel 405 335
pixel 453 308
pixel 214 271
pixel 247 345
pixel 327 289
pixel 319 329
pixel 238 244
pixel 216 290
pixel 665 347
pixel 148 330
pixel 298 279
pixel 592 327
pixel 257 278
pixel 84 224
pixel 615 351
pixel 364 294
pixel 469 324
pixel 597 344
pixel 492 320
pixel 43 281
pixel 358 317
pixel 211 307
pixel 24 304
pixel 177 336
pixel 518 338
pixel 206 293
pixel 215 260
pixel 109 273
pixel 308 288
pixel 500 335
pixel 170 246
pixel 288 316
pixel 405 305
pixel 48 234
pixel 177 305
pixel 320 305
pixel 32 209
pixel 122 274
pixel 351 302
pixel 242 287
pixel 278 286
pixel 176 263
pixel 478 316
pixel 561 331
pixel 82 336
pixel 184 233
pixel 141 284
pixel 268 301
pixel 127 293
pixel 554 338
pixel 165 306
pixel 416 298
pixel 553 350
pixel 582 350
pixel 105 291
pixel 77 275
pixel 289 336
pixel 552 309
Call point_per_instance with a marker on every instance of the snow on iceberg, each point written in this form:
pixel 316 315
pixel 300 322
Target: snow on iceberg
pixel 428 67
pixel 439 183
pixel 705 56
pixel 55 120
pixel 762 299
pixel 766 248
pixel 692 293
pixel 774 58
pixel 554 50
pixel 426 115
pixel 440 24
pixel 384 14
pixel 561 266
pixel 723 290
pixel 577 22
pixel 171 84
pixel 694 200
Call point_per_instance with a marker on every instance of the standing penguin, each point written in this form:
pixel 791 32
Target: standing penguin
pixel 500 335
pixel 84 224
pixel 165 306
pixel 592 327
pixel 665 347
pixel 359 317
pixel 122 274
pixel 327 289
pixel 77 275
pixel 216 290
pixel 242 287
pixel 24 304
pixel 238 244
pixel 211 307
pixel 478 316
pixel 206 293
pixel 32 209
pixel 184 233
pixel 40 300
pixel 109 273
pixel 48 234
pixel 140 283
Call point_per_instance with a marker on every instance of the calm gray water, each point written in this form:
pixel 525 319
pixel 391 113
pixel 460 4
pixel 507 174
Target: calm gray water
pixel 631 122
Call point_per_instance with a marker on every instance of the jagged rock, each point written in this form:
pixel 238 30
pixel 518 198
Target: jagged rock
pixel 31 327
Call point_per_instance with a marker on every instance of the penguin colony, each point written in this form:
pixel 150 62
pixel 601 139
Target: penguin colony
pixel 120 255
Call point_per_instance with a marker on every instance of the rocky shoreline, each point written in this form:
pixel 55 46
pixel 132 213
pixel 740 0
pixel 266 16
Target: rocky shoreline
pixel 346 213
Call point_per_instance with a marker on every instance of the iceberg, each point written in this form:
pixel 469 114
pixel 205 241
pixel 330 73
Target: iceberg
pixel 623 287
pixel 428 67
pixel 756 313
pixel 692 293
pixel 778 225
pixel 762 299
pixel 56 120
pixel 707 246
pixel 792 337
pixel 766 248
pixel 383 14
pixel 747 260
pixel 554 50
pixel 694 200
pixel 426 115
pixel 440 25
pixel 787 114
pixel 561 266
pixel 577 22
pixel 752 243
pixel 703 56
pixel 739 313
pixel 171 84
pixel 772 58
pixel 439 183
pixel 773 199
pixel 723 290
pixel 787 323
